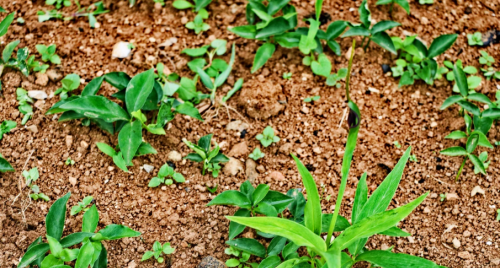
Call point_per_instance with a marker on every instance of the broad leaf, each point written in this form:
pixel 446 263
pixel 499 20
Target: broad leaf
pixel 386 259
pixel 231 198
pixel 129 139
pixel 54 221
pixel 248 245
pixel 90 220
pixel 263 54
pixel 441 44
pixel 97 107
pixel 138 90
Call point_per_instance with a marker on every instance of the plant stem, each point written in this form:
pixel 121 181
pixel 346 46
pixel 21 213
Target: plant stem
pixel 348 78
pixel 461 168
pixel 367 44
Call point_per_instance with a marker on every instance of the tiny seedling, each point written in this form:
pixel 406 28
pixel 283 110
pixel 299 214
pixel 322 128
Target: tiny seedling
pixel 241 259
pixel 256 154
pixel 201 13
pixel 267 137
pixel 48 53
pixel 488 60
pixel 204 154
pixel 81 206
pixel 158 251
pixel 212 190
pixel 31 176
pixel 413 158
pixel 402 3
pixel 483 157
pixel 89 12
pixel 58 3
pixel 473 81
pixel 442 197
pixel 69 83
pixel 396 143
pixel 426 2
pixel 20 20
pixel 287 75
pixel 312 99
pixel 24 105
pixel 164 175
pixel 69 162
pixel 237 86
pixel 6 127
pixel 334 78
pixel 475 39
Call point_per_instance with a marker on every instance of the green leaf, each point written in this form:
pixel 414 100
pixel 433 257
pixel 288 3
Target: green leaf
pixel 106 149
pixel 102 260
pixel 356 31
pixel 147 255
pixel 51 261
pixel 277 200
pixel 118 80
pixel 219 80
pixel 232 263
pixel 276 246
pixel 455 135
pixel 182 4
pixel 270 262
pixel 138 90
pixel 480 98
pixel 90 220
pixel 33 254
pixel 404 4
pixel 317 6
pixel 5 166
pixel 93 86
pixel 312 211
pixel 470 107
pixel 259 193
pixel 340 224
pixel 322 66
pixel 205 79
pixel 335 29
pixel 4 25
pixel 360 198
pixel 231 198
pixel 245 31
pixel 266 209
pixel 188 108
pixel 54 221
pixel 441 44
pixel 492 113
pixel 97 107
pixel 145 149
pixel 450 101
pixel 477 163
pixel 307 42
pixel 472 143
pixel 55 246
pixel 263 54
pixel 388 259
pixel 275 27
pixel 454 151
pixel 276 5
pixel 9 48
pixel 483 140
pixel 129 139
pixel 365 14
pixel 395 231
pixel 248 245
pixel 85 256
pixel 384 40
pixel 114 232
pixel 235 228
pixel 298 234
pixel 74 238
pixel 384 25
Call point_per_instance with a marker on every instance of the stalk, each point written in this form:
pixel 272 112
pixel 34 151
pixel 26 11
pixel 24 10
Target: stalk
pixel 460 169
pixel 349 67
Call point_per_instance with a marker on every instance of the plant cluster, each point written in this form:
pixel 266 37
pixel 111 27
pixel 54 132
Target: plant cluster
pixel 91 253
pixel 69 83
pixel 158 251
pixel 164 175
pixel 30 177
pixel 473 81
pixel 475 39
pixel 90 12
pixel 489 71
pixel 203 153
pixel 201 14
pixel 256 154
pixel 6 127
pixel 267 137
pixel 24 105
pixel 81 206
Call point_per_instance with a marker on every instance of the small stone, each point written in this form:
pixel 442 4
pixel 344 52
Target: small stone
pixel 386 68
pixel 240 149
pixel 261 169
pixel 174 156
pixel 42 79
pixel 250 171
pixel 54 75
pixel 348 53
pixel 464 255
pixel 456 243
pixel 121 50
pixel 451 197
pixel 495 261
pixel 37 94
pixel 72 180
pixel 158 6
pixel 434 124
pixel 427 210
pixel 233 166
pixel 84 145
pixel 411 239
pixel 211 262
pixel 169 42
pixel 33 128
pixel 424 20
pixel 237 125
pixel 286 148
pixel 184 20
pixel 467 233
pixel 148 168
pixel 277 176
pixel 164 188
pixel 69 141
pixel 132 264
pixel 477 190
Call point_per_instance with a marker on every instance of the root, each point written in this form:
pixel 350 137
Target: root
pixel 27 202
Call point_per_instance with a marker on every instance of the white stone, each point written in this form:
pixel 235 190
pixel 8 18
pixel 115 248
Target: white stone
pixel 148 168
pixel 37 94
pixel 121 50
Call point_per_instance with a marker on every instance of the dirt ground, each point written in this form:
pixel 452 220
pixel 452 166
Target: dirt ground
pixel 177 214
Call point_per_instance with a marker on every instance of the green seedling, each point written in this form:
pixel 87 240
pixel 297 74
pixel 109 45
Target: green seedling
pixel 416 61
pixel 402 3
pixel 81 206
pixel 397 144
pixel 442 197
pixel 158 251
pixel 334 78
pixel 256 154
pixel 287 75
pixel 58 3
pixel 241 260
pixel 212 190
pixel 5 166
pixel 69 162
pixel 375 33
pixel 472 80
pixel 20 21
pixel 488 60
pixel 24 105
pixel 48 53
pixel 476 127
pixel 498 214
pixel 89 12
pixel 413 158
pixel 31 176
pixel 267 137
pixel 312 99
pixel 48 15
pixel 92 251
pixel 161 2
pixel 69 83
pixel 204 154
pixel 237 86
pixel 475 39
pixel 426 2
pixel 164 175
pixel 6 127
pixel 201 13
pixel 197 6
pixel 140 93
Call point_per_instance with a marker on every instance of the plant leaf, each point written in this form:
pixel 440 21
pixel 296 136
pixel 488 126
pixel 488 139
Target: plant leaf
pixel 90 220
pixel 248 245
pixel 54 221
pixel 441 44
pixel 97 107
pixel 263 54
pixel 129 139
pixel 231 198
pixel 388 259
pixel 138 90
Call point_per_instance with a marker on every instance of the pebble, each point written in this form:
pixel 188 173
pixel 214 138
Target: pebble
pixel 451 197
pixel 348 53
pixel 132 264
pixel 286 148
pixel 37 94
pixel 84 145
pixel 456 243
pixel 148 168
pixel 69 141
pixel 250 171
pixel 464 255
pixel 33 128
pixel 121 50
pixel 240 149
pixel 72 180
pixel 42 79
pixel 237 125
pixel 276 176
pixel 434 124
pixel 184 20
pixel 232 167
pixel 169 42
pixel 54 75
pixel 174 156
pixel 477 190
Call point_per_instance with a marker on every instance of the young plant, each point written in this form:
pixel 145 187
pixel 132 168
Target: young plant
pixel 241 261
pixel 5 166
pixel 69 162
pixel 165 172
pixel 81 206
pixel 58 3
pixel 416 61
pixel 204 154
pixel 201 13
pixel 312 99
pixel 413 158
pixel 158 251
pixel 140 93
pixel 375 33
pixel 402 3
pixel 475 39
pixel 426 2
pixel 237 86
pixel 334 78
pixel 488 60
pixel 31 176
pixel 442 197
pixel 91 253
pixel 48 53
pixel 476 127
pixel 256 154
pixel 267 137
pixel 89 12
pixel 287 75
pixel 472 81
pixel 212 190
pixel 6 127
pixel 397 144
pixel 24 105
pixel 69 83
pixel 498 214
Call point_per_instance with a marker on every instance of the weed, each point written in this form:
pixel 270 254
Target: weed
pixel 472 81
pixel 287 75
pixel 442 197
pixel 81 206
pixel 69 83
pixel 58 3
pixel 334 78
pixel 164 175
pixel 256 154
pixel 475 39
pixel 312 99
pixel 488 60
pixel 48 53
pixel 89 12
pixel 402 3
pixel 413 158
pixel 396 143
pixel 267 137
pixel 199 7
pixel 24 105
pixel 6 127
pixel 91 253
pixel 213 190
pixel 204 154
pixel 69 162
pixel 158 251
pixel 30 177
pixel 237 86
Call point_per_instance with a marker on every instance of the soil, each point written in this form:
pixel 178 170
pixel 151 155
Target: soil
pixel 177 214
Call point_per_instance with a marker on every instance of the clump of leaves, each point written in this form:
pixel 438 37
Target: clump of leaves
pixel 201 13
pixel 158 251
pixel 267 137
pixel 287 75
pixel 24 105
pixel 402 3
pixel 69 162
pixel 416 61
pixel 242 259
pixel 203 153
pixel 256 154
pixel 475 39
pixel 91 253
pixel 48 53
pixel 58 3
pixel 31 176
pixel 89 12
pixel 81 206
pixel 312 99
pixel 164 175
pixel 6 127
pixel 442 197
pixel 5 166
pixel 334 78
pixel 488 60
pixel 212 190
pixel 69 83
pixel 413 158
pixel 476 127
pixel 473 81
pixel 140 93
